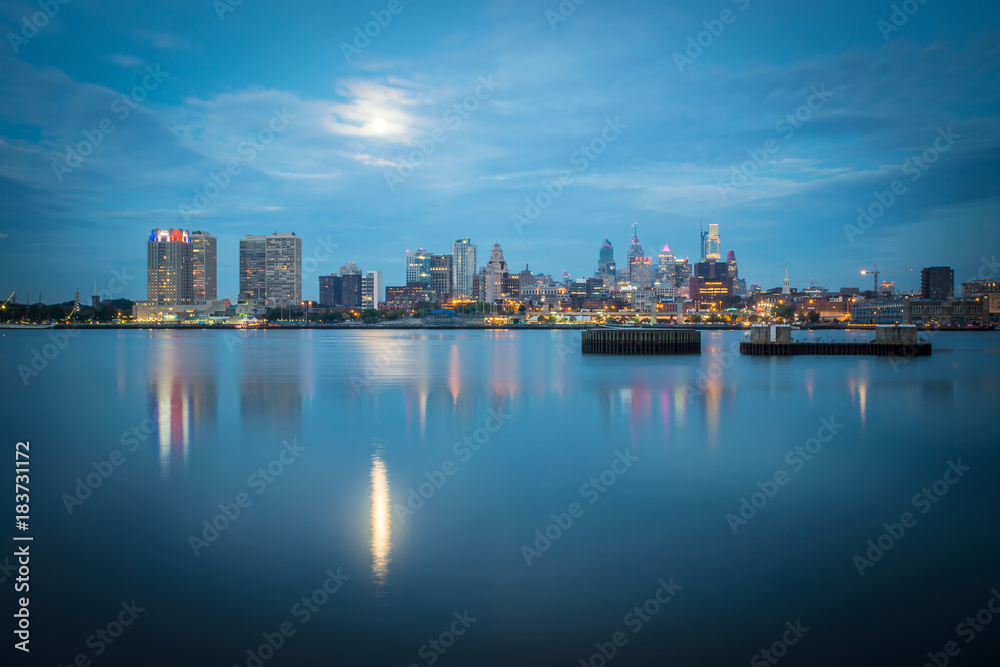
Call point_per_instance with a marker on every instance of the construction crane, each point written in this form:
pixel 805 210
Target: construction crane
pixel 812 282
pixel 875 273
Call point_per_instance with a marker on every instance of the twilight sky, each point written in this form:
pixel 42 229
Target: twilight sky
pixel 779 126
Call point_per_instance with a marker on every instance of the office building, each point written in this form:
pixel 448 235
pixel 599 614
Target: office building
pixel 442 277
pixel 711 245
pixel 169 268
pixel 418 267
pixel 937 283
pixel 205 257
pixel 606 269
pixel 665 269
pixel 371 290
pixel 271 269
pixel 494 275
pixel 463 267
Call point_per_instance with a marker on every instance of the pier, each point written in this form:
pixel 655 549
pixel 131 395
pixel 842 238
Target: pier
pixel 641 341
pixel 890 341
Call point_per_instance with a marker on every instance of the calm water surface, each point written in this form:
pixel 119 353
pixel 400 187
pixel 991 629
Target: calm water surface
pixel 640 460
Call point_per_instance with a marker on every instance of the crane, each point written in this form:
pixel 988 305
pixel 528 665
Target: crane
pixel 875 273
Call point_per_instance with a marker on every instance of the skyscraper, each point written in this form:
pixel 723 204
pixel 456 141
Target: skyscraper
pixel 169 268
pixel 371 290
pixel 463 267
pixel 666 269
pixel 496 272
pixel 203 248
pixel 418 267
pixel 937 283
pixel 271 269
pixel 711 245
pixel 606 269
pixel 640 267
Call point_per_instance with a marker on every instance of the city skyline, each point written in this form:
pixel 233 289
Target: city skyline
pixel 794 157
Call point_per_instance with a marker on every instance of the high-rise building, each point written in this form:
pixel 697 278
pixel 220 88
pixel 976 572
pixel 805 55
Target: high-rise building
pixel 496 272
pixel 887 287
pixel 937 283
pixel 606 269
pixel 169 268
pixel 463 268
pixel 351 288
pixel 418 267
pixel 666 268
pixel 441 276
pixel 634 251
pixel 640 270
pixel 331 290
pixel 711 245
pixel 271 269
pixel 95 300
pixel 205 257
pixel 371 290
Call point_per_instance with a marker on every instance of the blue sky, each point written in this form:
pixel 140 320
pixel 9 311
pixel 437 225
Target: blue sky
pixel 339 131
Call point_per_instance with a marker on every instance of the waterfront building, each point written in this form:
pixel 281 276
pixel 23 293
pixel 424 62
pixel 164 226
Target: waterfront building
pixel 442 275
pixel 271 269
pixel 463 268
pixel 418 267
pixel 204 266
pixel 331 290
pixel 937 283
pixel 371 290
pixel 169 268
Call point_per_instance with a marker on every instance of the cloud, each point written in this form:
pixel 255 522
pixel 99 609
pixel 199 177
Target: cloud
pixel 133 63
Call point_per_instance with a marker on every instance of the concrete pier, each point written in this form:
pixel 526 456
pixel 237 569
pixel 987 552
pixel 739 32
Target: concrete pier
pixel 641 341
pixel 890 341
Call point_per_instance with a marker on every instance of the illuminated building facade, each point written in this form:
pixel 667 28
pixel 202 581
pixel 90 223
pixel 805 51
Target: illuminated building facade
pixel 169 268
pixel 271 269
pixel 711 245
pixel 371 290
pixel 441 276
pixel 463 267
pixel 205 258
pixel 418 267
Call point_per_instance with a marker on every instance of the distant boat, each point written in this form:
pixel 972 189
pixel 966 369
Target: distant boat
pixel 27 326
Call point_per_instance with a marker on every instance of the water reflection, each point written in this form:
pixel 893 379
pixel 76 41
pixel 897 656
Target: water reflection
pixel 381 520
pixel 183 402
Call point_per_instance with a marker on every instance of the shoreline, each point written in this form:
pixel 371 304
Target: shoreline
pixel 458 327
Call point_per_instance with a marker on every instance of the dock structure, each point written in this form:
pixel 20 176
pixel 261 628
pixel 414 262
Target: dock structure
pixel 641 341
pixel 890 341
